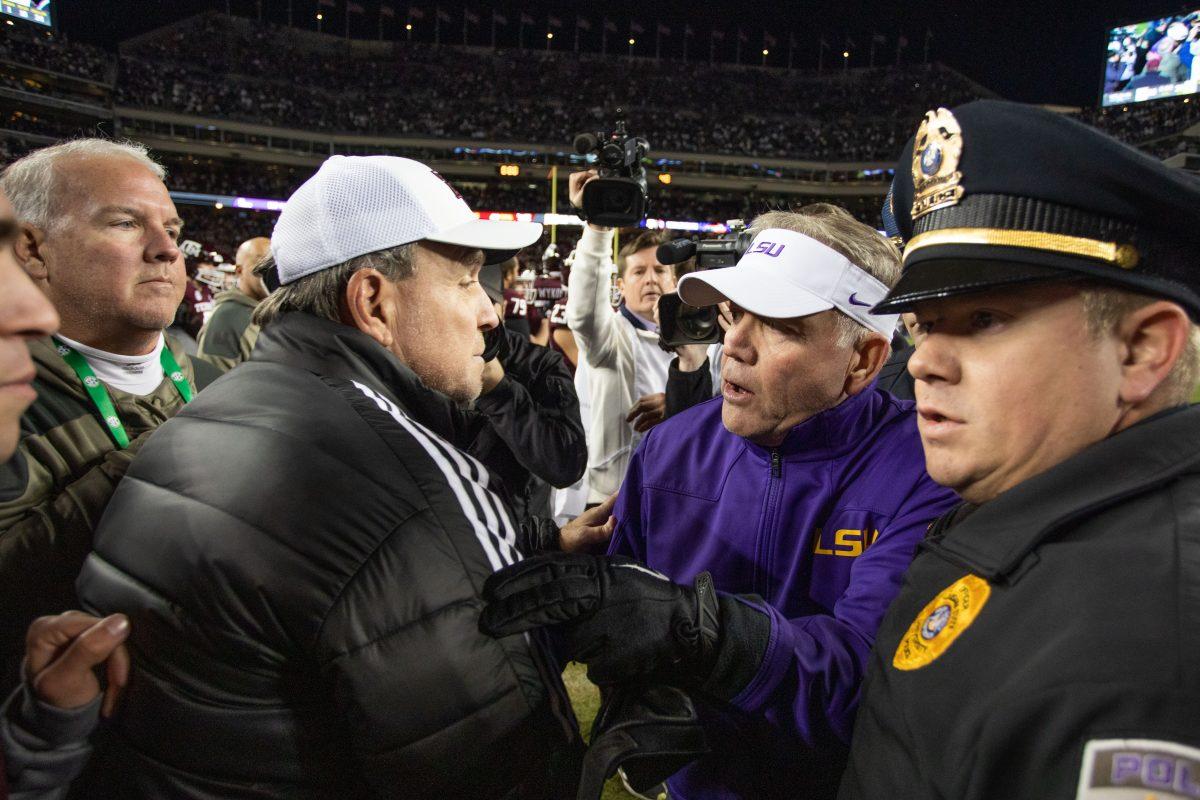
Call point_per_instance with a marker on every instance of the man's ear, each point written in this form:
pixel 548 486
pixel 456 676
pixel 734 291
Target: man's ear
pixel 866 359
pixel 369 304
pixel 1152 340
pixel 28 250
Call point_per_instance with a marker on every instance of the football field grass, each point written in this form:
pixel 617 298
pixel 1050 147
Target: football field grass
pixel 585 698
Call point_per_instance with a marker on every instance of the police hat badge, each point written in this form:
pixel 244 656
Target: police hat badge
pixel 936 154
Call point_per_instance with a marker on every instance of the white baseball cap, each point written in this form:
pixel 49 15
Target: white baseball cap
pixel 785 274
pixel 356 205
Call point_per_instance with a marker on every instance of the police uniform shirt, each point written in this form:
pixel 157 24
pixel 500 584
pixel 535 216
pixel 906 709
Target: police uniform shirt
pixel 1047 643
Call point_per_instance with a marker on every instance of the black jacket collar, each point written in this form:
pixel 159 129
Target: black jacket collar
pixel 332 350
pixel 994 538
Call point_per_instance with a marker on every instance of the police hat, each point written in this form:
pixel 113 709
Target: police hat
pixel 995 193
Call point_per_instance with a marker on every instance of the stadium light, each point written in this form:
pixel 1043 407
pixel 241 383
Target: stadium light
pixel 632 42
pixel 408 26
pixel 550 35
pixel 320 16
pixel 845 54
pixel 218 206
pixel 766 52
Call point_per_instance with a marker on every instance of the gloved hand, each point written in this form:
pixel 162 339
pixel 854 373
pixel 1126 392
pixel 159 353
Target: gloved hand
pixel 625 621
pixel 495 344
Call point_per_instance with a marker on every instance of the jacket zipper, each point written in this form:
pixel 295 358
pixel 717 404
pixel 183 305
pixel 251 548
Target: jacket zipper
pixel 762 569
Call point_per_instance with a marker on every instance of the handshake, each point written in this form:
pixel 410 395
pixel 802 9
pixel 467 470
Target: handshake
pixel 630 624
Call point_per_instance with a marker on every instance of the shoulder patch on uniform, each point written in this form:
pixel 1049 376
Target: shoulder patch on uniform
pixel 940 622
pixel 1134 769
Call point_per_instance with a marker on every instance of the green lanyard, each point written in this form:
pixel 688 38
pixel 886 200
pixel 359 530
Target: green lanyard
pixel 99 395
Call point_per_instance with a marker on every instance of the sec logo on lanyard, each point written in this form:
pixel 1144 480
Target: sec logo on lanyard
pixel 940 622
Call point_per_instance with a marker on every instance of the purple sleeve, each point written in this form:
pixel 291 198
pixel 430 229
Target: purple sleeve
pixel 628 538
pixel 810 677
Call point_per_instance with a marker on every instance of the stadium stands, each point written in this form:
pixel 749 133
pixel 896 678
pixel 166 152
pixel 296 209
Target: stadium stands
pixel 740 138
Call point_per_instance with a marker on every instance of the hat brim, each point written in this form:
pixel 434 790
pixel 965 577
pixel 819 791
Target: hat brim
pixel 499 240
pixel 492 282
pixel 968 269
pixel 755 289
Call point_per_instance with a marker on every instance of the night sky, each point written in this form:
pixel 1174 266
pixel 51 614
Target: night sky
pixel 1048 52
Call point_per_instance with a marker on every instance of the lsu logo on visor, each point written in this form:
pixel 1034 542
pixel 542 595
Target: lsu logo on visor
pixel 772 249
pixel 940 622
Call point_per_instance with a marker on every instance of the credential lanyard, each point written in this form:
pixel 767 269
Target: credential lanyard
pixel 99 394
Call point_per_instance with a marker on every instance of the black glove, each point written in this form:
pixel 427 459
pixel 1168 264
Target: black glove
pixel 539 535
pixel 651 732
pixel 495 344
pixel 625 621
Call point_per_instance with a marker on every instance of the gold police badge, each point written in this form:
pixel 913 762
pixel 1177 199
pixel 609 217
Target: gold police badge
pixel 940 622
pixel 936 153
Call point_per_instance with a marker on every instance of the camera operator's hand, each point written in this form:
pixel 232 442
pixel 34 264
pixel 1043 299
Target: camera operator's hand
pixel 623 620
pixel 691 356
pixel 724 316
pixel 648 411
pixel 493 373
pixel 590 531
pixel 575 186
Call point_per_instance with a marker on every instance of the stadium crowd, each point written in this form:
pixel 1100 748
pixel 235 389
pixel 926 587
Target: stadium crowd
pixel 217 66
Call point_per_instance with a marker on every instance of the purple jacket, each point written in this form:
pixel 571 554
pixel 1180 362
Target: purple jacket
pixel 821 528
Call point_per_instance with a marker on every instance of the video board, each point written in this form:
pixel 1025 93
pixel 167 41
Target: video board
pixel 1152 60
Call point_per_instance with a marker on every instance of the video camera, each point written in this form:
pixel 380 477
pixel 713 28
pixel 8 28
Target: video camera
pixel 619 197
pixel 679 323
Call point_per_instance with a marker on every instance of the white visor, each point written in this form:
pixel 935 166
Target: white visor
pixel 785 274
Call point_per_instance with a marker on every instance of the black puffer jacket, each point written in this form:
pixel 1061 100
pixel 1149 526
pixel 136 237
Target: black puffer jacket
pixel 301 552
pixel 533 431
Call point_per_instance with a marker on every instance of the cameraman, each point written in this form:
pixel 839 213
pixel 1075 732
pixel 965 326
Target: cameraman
pixel 695 370
pixel 627 370
pixel 533 435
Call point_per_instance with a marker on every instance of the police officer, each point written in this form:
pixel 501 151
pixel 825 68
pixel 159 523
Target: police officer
pixel 1046 641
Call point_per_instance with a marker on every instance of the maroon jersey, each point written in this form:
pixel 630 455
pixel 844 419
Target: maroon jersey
pixel 547 291
pixel 197 304
pixel 516 312
pixel 558 322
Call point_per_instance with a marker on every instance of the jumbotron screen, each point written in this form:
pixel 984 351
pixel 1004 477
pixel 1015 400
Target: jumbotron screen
pixel 1152 60
pixel 29 10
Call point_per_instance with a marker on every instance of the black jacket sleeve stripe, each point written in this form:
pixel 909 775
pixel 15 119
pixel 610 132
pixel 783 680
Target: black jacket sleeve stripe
pixel 476 477
pixel 460 481
pixel 499 552
pixel 478 480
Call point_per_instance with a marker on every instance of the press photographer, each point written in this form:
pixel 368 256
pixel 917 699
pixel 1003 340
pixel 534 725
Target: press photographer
pixel 627 370
pixel 695 334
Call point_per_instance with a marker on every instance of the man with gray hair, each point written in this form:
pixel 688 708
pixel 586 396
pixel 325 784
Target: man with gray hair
pixel 98 235
pixel 780 514
pixel 316 602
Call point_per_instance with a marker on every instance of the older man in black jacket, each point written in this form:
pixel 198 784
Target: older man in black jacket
pixel 301 553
